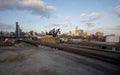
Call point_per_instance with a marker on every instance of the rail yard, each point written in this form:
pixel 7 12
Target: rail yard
pixel 35 58
pixel 27 59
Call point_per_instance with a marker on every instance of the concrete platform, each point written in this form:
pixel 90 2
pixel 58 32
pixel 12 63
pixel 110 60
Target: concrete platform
pixel 48 61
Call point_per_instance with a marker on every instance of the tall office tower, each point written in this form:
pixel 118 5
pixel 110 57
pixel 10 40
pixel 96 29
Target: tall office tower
pixel 17 30
pixel 76 31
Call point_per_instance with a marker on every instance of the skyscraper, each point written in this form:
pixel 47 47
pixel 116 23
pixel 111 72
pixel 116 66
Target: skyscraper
pixel 18 30
pixel 76 31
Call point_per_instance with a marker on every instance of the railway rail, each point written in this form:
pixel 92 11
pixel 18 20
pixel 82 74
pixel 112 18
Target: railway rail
pixel 106 56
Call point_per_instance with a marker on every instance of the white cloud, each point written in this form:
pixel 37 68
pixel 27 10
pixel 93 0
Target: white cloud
pixel 68 18
pixel 65 23
pixel 90 19
pixel 38 7
pixel 83 15
pixel 90 24
pixel 32 3
pixel 5 26
pixel 93 16
pixel 6 4
pixel 50 8
pixel 114 29
pixel 117 10
pixel 96 16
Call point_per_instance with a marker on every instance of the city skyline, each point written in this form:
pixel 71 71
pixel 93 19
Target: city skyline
pixel 41 15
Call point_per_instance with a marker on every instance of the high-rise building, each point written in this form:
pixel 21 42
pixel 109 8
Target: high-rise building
pixel 18 30
pixel 78 32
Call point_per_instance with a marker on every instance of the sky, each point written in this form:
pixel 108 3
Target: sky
pixel 44 15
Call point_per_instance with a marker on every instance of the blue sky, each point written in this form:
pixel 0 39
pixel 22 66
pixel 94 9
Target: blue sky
pixel 41 15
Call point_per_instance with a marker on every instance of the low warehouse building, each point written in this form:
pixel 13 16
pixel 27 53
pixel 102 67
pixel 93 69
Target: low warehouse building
pixel 112 39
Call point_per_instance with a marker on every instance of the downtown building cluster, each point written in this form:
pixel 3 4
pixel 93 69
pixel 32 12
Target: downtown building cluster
pixel 18 33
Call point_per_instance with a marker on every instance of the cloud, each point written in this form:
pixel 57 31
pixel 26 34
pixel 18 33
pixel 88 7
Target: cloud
pixel 6 4
pixel 107 30
pixel 65 23
pixel 90 24
pixel 50 8
pixel 68 18
pixel 83 15
pixel 90 19
pixel 37 7
pixel 116 27
pixel 96 16
pixel 31 3
pixel 92 16
pixel 5 26
pixel 117 10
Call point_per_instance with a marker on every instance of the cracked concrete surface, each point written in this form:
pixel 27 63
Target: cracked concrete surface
pixel 48 61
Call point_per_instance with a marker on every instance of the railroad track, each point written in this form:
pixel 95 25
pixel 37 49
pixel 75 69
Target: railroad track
pixel 107 56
